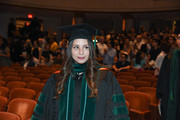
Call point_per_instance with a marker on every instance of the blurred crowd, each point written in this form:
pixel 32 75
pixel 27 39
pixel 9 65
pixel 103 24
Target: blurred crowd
pixel 114 50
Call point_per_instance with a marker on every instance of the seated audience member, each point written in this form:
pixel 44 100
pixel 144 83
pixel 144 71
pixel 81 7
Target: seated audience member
pixel 47 51
pixel 109 56
pixel 164 50
pixel 53 45
pixel 154 52
pixel 123 64
pixel 139 60
pixel 29 62
pixel 46 60
pixel 62 48
pixel 58 59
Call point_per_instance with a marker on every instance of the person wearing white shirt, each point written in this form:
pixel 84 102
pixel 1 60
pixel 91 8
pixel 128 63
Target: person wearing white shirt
pixel 158 62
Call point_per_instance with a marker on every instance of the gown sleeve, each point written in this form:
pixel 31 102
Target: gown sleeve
pixel 116 108
pixel 40 109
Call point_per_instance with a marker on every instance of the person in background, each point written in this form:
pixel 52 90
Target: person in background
pixel 58 59
pixel 109 56
pixel 171 41
pixel 46 60
pixel 102 47
pixel 36 51
pixel 123 64
pixel 158 62
pixel 168 85
pixel 29 62
pixel 53 45
pixel 139 60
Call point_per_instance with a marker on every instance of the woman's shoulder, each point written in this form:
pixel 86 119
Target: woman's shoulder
pixel 105 74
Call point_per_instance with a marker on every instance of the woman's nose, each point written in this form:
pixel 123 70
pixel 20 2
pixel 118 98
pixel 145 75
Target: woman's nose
pixel 81 51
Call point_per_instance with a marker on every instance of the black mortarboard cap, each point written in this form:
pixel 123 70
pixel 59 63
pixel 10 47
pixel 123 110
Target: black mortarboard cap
pixel 80 31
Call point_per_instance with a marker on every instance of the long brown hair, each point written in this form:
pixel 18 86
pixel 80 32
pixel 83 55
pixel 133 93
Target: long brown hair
pixel 90 76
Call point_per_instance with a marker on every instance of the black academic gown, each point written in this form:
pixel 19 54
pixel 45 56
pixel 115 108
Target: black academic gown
pixel 47 107
pixel 163 88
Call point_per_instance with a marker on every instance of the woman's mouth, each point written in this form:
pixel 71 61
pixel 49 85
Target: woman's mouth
pixel 81 58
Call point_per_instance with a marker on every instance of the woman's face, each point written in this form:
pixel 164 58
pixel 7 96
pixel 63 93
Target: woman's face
pixel 80 50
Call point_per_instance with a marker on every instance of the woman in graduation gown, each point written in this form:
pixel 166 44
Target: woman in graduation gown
pixel 81 91
pixel 168 89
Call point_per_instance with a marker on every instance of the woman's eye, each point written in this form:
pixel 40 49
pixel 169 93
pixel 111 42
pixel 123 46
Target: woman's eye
pixel 86 47
pixel 76 47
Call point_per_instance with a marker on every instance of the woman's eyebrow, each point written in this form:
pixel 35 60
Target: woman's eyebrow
pixel 80 45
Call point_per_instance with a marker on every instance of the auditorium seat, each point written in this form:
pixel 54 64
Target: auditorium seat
pixel 154 102
pixel 124 73
pixel 15 84
pixel 142 75
pixel 138 84
pixel 21 93
pixel 134 71
pixel 126 88
pixel 12 78
pixel 43 76
pixel 10 74
pixel 37 87
pixel 123 81
pixel 139 105
pixel 9 116
pixel 4 91
pixel 148 79
pixel 3 103
pixel 127 77
pixel 31 79
pixel 44 81
pixel 2 83
pixel 27 75
pixel 154 85
pixel 22 107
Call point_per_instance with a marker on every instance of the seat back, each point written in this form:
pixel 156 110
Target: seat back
pixel 22 93
pixel 127 77
pixel 9 116
pixel 27 75
pixel 15 84
pixel 138 101
pixel 148 79
pixel 3 103
pixel 4 91
pixel 126 88
pixel 142 75
pixel 138 84
pixel 37 87
pixel 124 73
pixel 12 78
pixel 43 76
pixel 31 79
pixel 151 92
pixel 11 74
pixel 2 83
pixel 22 107
pixel 123 81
